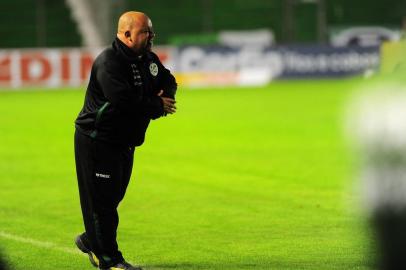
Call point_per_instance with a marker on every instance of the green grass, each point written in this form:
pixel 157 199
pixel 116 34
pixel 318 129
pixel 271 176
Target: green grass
pixel 249 178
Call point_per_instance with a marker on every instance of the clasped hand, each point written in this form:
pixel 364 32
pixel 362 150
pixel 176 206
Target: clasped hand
pixel 169 103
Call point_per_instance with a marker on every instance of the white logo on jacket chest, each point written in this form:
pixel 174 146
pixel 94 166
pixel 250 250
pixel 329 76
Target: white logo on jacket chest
pixel 153 68
pixel 136 75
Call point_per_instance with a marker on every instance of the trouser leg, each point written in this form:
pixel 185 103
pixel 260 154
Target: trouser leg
pixel 103 172
pixel 127 157
pixel 84 169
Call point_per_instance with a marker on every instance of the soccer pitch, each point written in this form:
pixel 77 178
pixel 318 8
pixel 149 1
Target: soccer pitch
pixel 245 178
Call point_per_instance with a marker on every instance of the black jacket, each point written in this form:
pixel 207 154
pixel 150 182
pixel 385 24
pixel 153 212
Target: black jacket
pixel 121 97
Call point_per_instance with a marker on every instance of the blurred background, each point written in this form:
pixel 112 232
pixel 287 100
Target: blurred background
pixel 208 42
pixel 205 42
pixel 63 23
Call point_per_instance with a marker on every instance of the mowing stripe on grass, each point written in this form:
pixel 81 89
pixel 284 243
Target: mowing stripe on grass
pixel 47 245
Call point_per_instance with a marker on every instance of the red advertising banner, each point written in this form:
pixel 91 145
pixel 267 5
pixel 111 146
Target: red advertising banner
pixel 52 67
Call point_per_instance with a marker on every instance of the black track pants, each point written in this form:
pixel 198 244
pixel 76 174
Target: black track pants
pixel 103 172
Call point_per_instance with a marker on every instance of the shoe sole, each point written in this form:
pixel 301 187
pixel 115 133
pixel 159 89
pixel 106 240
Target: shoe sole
pixel 92 257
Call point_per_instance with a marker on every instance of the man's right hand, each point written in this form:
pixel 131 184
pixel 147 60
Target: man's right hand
pixel 169 103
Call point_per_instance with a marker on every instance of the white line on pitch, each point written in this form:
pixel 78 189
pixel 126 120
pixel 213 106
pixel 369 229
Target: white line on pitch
pixel 37 243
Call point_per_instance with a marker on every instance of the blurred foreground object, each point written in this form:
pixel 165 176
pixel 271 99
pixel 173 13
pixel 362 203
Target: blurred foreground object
pixel 380 129
pixel 378 124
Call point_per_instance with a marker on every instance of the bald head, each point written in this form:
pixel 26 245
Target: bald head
pixel 131 19
pixel 135 30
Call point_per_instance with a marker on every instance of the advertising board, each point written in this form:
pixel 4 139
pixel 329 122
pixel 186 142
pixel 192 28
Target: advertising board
pixel 194 65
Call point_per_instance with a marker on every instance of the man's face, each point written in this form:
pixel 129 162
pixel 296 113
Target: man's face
pixel 142 37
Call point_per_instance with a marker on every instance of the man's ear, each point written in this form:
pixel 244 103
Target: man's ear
pixel 127 34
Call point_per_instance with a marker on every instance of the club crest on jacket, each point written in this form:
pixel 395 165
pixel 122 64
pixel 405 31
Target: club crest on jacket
pixel 153 68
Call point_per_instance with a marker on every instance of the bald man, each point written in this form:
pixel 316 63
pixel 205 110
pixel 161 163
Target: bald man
pixel 128 87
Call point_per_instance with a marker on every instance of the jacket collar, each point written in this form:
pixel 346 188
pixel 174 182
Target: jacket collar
pixel 129 55
pixel 124 52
